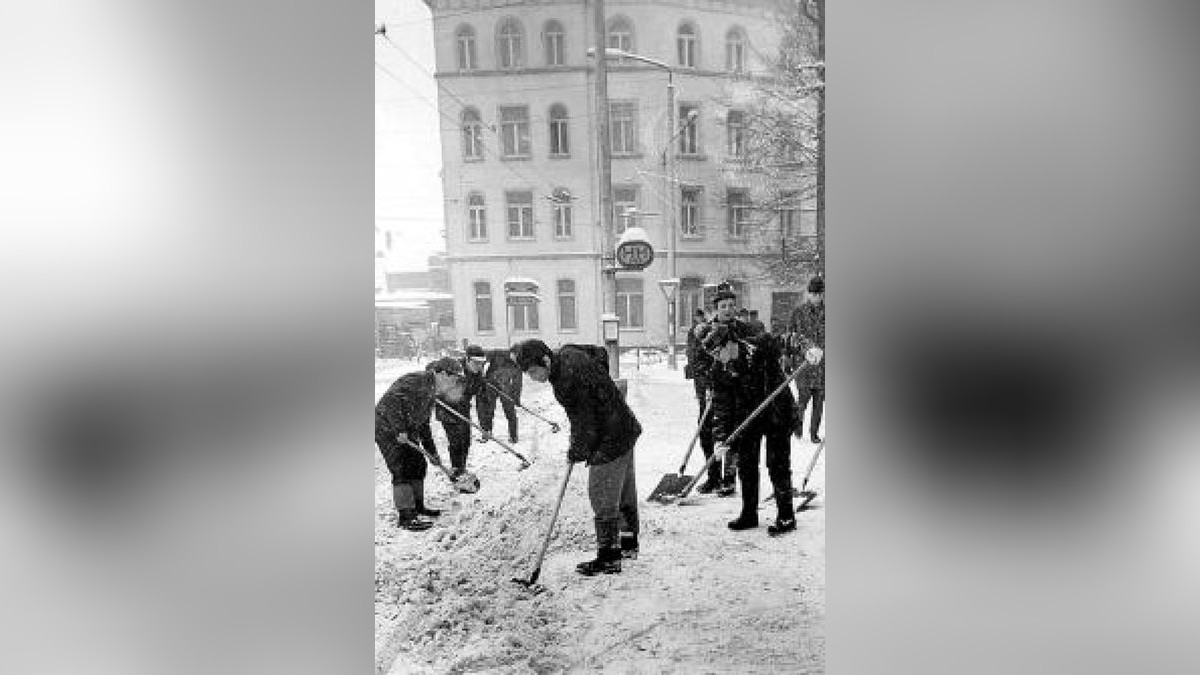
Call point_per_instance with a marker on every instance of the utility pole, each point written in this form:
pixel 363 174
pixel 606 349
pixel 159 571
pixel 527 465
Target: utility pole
pixel 672 221
pixel 608 274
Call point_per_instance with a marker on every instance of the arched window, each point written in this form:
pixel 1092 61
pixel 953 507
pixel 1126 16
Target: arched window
pixel 620 34
pixel 552 37
pixel 476 217
pixel 735 50
pixel 685 42
pixel 472 130
pixel 465 39
pixel 511 44
pixel 560 144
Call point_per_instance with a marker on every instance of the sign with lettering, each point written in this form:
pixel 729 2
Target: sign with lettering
pixel 635 254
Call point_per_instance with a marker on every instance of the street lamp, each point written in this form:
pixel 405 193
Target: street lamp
pixel 669 194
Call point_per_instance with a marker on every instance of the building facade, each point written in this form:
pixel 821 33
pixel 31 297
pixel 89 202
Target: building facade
pixel 524 238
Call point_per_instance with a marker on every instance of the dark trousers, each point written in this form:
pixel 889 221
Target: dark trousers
pixel 405 463
pixel 458 438
pixel 485 402
pixel 817 394
pixel 612 491
pixel 779 468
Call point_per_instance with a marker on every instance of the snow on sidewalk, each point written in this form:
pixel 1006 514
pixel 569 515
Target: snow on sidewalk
pixel 700 599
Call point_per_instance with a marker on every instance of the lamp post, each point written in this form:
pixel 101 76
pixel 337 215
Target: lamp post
pixel 668 160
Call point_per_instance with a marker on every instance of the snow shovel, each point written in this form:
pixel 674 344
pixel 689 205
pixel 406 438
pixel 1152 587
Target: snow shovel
pixel 467 483
pixel 672 484
pixel 553 425
pixel 736 432
pixel 506 446
pixel 531 582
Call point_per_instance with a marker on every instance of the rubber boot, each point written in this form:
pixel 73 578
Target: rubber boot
pixel 418 489
pixel 409 520
pixel 608 561
pixel 785 519
pixel 749 516
pixel 629 546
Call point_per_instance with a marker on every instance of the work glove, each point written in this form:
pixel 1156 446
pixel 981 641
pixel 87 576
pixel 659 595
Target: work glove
pixel 404 440
pixel 721 450
pixel 814 355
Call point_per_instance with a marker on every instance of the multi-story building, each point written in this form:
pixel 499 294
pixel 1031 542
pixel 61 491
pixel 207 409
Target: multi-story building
pixel 520 163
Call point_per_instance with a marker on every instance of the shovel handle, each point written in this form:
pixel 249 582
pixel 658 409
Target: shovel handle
pixel 811 464
pixel 501 443
pixel 428 457
pixel 699 428
pixel 562 490
pixel 553 425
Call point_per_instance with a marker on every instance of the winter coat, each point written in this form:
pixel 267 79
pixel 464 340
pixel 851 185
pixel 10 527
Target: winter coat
pixel 603 427
pixel 766 376
pixel 726 357
pixel 692 370
pixel 807 328
pixel 502 373
pixel 405 408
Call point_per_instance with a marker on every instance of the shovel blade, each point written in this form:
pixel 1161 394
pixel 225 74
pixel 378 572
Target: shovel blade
pixel 668 487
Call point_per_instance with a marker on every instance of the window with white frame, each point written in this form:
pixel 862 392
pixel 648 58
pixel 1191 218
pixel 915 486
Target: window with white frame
pixel 525 317
pixel 560 145
pixel 685 43
pixel 514 130
pixel 622 122
pixel 620 34
pixel 689 212
pixel 476 217
pixel 735 51
pixel 689 135
pixel 519 208
pixel 483 307
pixel 510 44
pixel 566 305
pixel 472 131
pixel 553 37
pixel 465 39
pixel 735 129
pixel 563 217
pixel 691 297
pixel 738 203
pixel 629 302
pixel 625 201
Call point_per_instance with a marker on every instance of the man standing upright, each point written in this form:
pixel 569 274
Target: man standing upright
pixel 603 433
pixel 724 357
pixel 807 329
pixel 697 371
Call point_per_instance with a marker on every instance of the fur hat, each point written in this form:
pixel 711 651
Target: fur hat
pixel 723 294
pixel 816 285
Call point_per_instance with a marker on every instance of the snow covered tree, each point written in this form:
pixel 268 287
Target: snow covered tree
pixel 783 127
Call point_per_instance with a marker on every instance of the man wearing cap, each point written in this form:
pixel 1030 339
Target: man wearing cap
pixel 458 430
pixel 502 381
pixel 724 358
pixel 807 329
pixel 603 433
pixel 699 376
pixel 401 420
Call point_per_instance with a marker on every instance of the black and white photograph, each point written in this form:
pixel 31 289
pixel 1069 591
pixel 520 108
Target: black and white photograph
pixel 599 336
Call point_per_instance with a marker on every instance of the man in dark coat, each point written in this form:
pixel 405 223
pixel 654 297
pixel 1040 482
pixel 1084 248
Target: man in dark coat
pixel 401 420
pixel 775 424
pixel 807 329
pixel 502 381
pixel 699 376
pixel 458 431
pixel 603 433
pixel 724 358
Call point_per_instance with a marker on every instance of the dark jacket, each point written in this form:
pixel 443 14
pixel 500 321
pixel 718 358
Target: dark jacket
pixel 807 330
pixel 603 427
pixel 726 357
pixel 472 386
pixel 691 371
pixel 405 408
pixel 767 376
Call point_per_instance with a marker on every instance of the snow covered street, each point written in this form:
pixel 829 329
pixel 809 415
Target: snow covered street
pixel 700 598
